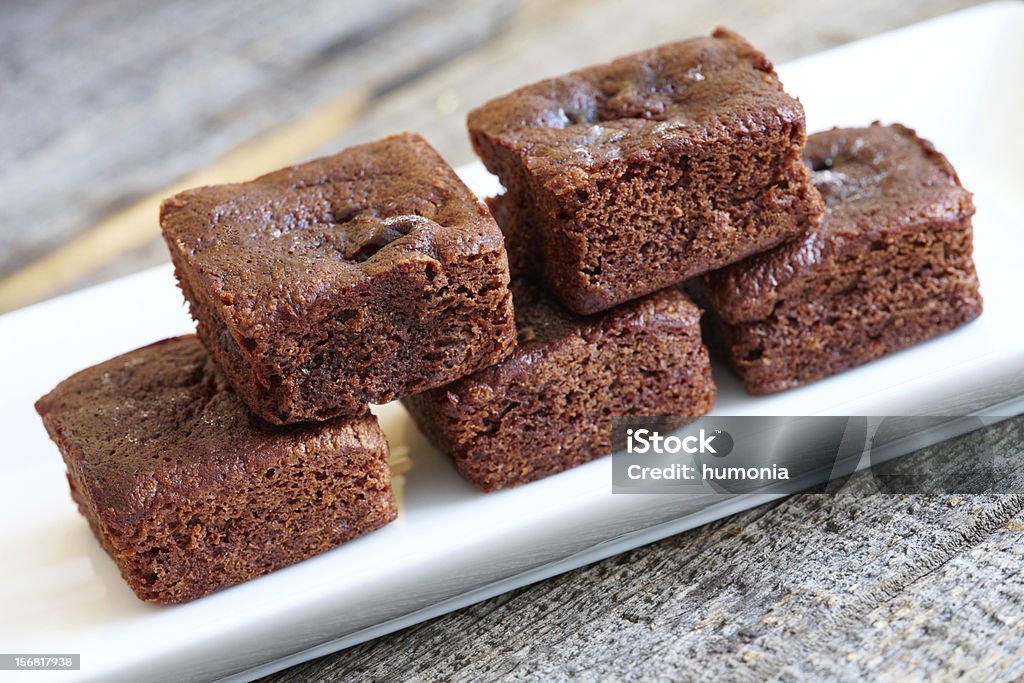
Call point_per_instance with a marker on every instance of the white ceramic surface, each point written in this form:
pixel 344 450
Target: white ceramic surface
pixel 958 80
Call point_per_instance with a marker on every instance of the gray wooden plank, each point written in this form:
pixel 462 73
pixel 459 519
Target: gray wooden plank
pixel 105 102
pixel 851 586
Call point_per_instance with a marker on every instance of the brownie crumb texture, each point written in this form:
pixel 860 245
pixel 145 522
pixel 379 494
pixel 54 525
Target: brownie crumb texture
pixel 890 266
pixel 550 405
pixel 352 279
pixel 188 492
pixel 638 174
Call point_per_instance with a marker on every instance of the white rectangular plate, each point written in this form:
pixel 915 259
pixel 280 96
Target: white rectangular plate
pixel 956 79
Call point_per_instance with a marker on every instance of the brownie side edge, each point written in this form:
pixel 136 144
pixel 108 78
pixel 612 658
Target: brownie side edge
pixel 809 338
pixel 550 405
pixel 201 496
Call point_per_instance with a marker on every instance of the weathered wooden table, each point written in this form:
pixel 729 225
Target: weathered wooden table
pixel 107 106
pixel 852 586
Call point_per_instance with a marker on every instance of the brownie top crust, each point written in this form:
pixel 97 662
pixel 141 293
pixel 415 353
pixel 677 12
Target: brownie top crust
pixel 271 248
pixel 681 95
pixel 882 177
pixel 160 424
pixel 876 182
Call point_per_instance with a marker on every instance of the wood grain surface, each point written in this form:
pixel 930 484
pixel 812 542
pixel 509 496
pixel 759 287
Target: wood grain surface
pixel 851 586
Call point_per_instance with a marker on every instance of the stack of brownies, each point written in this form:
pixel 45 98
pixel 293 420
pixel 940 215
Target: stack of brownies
pixel 376 275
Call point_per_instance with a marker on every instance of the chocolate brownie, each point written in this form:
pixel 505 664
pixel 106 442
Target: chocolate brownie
pixel 641 173
pixel 550 405
pixel 347 280
pixel 890 265
pixel 188 492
